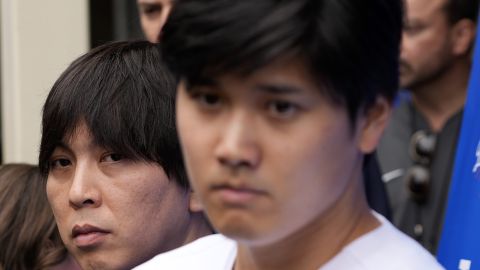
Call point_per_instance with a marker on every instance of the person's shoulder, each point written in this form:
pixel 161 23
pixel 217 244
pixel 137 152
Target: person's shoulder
pixel 387 248
pixel 209 252
pixel 399 251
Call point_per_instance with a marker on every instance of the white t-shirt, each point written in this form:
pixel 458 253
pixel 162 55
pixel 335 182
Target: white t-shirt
pixel 384 248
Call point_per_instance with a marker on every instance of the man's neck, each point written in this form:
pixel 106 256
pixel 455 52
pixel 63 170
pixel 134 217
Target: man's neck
pixel 197 228
pixel 316 243
pixel 441 98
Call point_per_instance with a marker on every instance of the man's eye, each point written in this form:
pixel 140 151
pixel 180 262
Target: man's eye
pixel 282 109
pixel 412 29
pixel 151 10
pixel 209 100
pixel 59 163
pixel 113 157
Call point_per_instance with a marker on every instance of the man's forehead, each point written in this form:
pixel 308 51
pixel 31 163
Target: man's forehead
pixel 79 135
pixel 281 69
pixel 424 9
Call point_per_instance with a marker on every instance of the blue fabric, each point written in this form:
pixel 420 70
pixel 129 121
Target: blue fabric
pixel 460 241
pixel 402 96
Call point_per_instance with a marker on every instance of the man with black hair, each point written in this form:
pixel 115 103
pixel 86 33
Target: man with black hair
pixel 278 103
pixel 112 162
pixel 154 14
pixel 417 152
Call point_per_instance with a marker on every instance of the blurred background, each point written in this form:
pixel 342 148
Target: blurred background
pixel 38 39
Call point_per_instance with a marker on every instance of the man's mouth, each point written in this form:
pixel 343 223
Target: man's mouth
pixel 88 236
pixel 237 196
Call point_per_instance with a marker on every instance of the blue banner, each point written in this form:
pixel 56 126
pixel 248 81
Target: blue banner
pixel 460 241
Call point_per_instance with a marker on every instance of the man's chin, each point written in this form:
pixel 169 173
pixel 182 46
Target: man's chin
pixel 97 261
pixel 406 82
pixel 405 86
pixel 406 76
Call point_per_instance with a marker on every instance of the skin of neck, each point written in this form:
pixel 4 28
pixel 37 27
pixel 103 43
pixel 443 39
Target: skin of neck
pixel 439 99
pixel 198 227
pixel 319 241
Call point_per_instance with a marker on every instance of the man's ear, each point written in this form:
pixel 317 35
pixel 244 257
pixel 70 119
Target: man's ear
pixel 194 203
pixel 463 36
pixel 373 123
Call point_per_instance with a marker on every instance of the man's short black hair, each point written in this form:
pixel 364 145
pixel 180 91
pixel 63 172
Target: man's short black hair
pixel 125 95
pixel 462 9
pixel 350 46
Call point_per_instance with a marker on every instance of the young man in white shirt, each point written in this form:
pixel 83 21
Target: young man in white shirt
pixel 278 103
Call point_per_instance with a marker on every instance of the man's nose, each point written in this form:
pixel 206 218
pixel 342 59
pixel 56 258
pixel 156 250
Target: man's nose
pixel 238 145
pixel 83 190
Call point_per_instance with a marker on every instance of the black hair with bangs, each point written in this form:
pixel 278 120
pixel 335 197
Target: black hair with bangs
pixel 125 95
pixel 351 46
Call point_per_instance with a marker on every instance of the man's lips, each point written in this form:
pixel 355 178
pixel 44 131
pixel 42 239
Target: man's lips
pixel 241 195
pixel 86 236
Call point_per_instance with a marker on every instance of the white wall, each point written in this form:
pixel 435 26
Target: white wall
pixel 39 38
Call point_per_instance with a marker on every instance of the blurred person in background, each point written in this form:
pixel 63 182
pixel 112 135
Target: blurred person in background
pixel 111 156
pixel 29 238
pixel 153 15
pixel 417 151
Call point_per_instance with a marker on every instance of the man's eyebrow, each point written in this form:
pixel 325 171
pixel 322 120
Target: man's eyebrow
pixel 201 82
pixel 278 89
pixel 149 6
pixel 414 21
pixel 63 146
